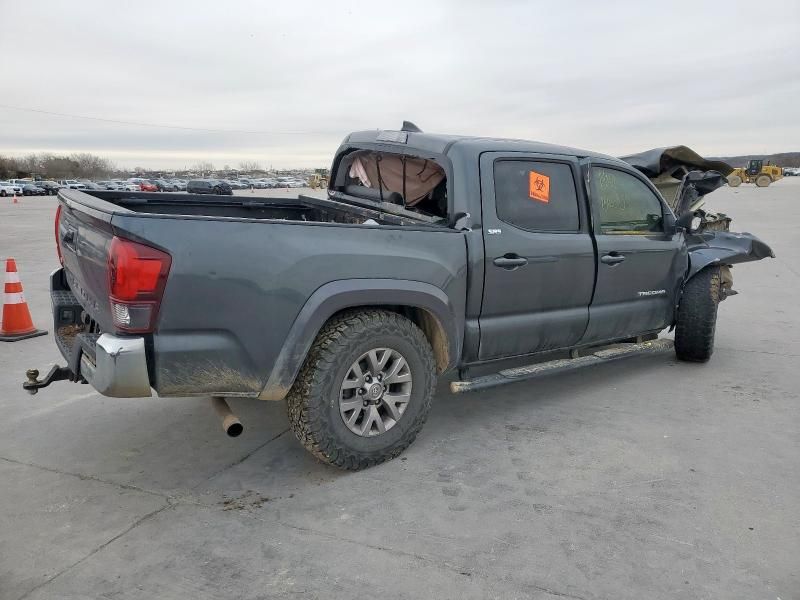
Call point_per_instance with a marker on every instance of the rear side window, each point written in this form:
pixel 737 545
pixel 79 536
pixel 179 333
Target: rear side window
pixel 537 196
pixel 627 205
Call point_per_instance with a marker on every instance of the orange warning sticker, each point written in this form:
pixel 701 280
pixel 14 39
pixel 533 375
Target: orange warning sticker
pixel 539 186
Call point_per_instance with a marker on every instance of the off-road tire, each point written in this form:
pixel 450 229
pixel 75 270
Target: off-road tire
pixel 313 401
pixel 697 316
pixel 763 180
pixel 734 181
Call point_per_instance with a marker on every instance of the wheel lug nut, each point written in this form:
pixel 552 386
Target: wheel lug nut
pixel 366 402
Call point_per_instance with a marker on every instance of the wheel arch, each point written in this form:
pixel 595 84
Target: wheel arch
pixel 422 303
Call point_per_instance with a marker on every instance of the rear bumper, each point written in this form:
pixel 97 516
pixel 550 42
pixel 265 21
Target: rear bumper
pixel 113 365
pixel 119 369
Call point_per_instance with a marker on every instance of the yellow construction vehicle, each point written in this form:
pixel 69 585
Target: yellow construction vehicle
pixel 755 172
pixel 318 180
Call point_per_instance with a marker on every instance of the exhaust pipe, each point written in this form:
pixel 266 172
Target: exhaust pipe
pixel 230 422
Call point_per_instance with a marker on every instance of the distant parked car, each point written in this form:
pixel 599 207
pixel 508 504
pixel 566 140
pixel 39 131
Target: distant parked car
pixel 51 187
pixel 209 186
pixel 91 185
pixel 108 185
pixel 9 189
pixel 144 184
pixel 72 184
pixel 21 182
pixel 33 190
pixel 147 186
pixel 162 185
pixel 179 184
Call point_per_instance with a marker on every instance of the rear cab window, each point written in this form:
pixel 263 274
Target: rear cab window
pixel 536 195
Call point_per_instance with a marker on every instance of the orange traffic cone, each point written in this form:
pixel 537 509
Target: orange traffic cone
pixel 15 199
pixel 17 323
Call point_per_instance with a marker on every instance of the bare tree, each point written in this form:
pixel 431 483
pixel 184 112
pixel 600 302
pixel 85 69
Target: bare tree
pixel 91 166
pixel 249 166
pixel 9 167
pixel 203 167
pixel 58 167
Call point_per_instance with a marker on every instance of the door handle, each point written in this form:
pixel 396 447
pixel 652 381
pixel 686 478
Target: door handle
pixel 612 259
pixel 510 261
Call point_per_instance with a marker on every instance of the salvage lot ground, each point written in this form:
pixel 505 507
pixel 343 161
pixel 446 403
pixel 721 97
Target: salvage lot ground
pixel 642 479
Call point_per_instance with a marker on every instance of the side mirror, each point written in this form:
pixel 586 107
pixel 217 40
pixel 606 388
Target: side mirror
pixel 668 221
pixel 686 221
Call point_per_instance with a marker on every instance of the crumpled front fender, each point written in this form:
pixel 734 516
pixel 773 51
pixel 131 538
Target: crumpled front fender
pixel 723 248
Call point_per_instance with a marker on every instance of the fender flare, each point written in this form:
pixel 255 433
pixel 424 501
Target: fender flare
pixel 336 296
pixel 725 248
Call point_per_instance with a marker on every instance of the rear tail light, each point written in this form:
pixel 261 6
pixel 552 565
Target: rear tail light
pixel 58 237
pixel 137 275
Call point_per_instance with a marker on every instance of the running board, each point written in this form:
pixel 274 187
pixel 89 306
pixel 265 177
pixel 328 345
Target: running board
pixel 561 365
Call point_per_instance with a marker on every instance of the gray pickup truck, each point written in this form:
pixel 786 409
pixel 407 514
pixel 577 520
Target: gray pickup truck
pixel 430 253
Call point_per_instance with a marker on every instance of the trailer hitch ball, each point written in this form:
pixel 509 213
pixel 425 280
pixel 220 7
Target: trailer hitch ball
pixel 33 378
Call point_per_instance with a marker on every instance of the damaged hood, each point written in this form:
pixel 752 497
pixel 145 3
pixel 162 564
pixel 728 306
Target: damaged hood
pixel 681 175
pixel 659 161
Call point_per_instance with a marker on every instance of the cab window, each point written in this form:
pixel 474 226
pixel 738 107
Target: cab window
pixel 536 195
pixel 626 204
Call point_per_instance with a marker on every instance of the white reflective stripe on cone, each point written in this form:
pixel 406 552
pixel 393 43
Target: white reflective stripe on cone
pixel 12 277
pixel 14 298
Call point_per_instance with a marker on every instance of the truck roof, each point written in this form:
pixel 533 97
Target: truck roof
pixel 446 144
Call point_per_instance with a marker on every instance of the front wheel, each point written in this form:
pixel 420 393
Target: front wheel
pixel 365 389
pixel 3 193
pixel 734 181
pixel 697 316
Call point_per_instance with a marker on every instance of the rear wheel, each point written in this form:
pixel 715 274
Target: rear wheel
pixel 3 193
pixel 365 389
pixel 697 316
pixel 763 180
pixel 734 181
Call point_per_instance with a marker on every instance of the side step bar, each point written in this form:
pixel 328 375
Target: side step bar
pixel 561 365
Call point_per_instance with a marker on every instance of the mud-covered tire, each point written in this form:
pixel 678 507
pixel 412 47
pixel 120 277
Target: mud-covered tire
pixel 313 401
pixel 763 180
pixel 697 316
pixel 734 181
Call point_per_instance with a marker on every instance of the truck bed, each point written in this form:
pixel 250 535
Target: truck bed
pixel 242 270
pixel 300 208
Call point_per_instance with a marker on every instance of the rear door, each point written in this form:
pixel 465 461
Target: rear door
pixel 540 262
pixel 640 266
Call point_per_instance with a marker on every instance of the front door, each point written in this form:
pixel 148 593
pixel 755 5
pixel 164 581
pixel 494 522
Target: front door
pixel 539 268
pixel 640 267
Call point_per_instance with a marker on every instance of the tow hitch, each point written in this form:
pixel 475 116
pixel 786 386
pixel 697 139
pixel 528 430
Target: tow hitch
pixel 56 374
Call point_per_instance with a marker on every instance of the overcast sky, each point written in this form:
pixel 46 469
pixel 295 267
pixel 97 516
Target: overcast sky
pixel 723 78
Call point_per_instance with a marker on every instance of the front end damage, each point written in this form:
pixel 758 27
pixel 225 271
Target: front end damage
pixel 684 178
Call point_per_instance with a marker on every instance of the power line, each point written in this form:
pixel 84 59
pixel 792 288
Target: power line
pixel 161 126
